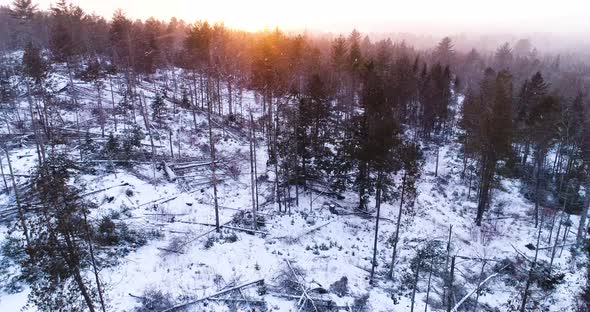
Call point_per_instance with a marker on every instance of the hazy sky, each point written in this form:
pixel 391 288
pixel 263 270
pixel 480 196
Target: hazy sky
pixel 566 17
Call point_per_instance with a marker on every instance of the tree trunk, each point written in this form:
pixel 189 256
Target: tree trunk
pixel 4 176
pixel 378 206
pixel 255 159
pixel 276 156
pixel 69 254
pixel 252 178
pixel 21 213
pixel 100 109
pixel 399 221
pixel 170 140
pixel 93 261
pixel 447 261
pixel 229 97
pixel 428 287
pixel 584 216
pixel 113 102
pixel 39 143
pixel 416 276
pixel 540 159
pixel 362 187
pixel 531 272
pixel 213 177
pixel 450 290
pixel 437 155
pixel 479 283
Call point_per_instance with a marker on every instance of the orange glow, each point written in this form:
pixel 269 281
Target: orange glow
pixel 434 16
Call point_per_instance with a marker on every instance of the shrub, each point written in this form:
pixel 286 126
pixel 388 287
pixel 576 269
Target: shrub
pixel 210 242
pixel 154 300
pixel 340 287
pixel 231 238
pixel 360 304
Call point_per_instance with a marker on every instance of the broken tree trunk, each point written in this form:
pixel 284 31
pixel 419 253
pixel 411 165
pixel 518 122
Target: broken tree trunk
pixel 456 307
pixel 213 177
pixel 169 172
pixel 303 290
pixel 176 307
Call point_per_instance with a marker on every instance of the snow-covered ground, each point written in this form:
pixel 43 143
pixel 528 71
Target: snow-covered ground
pixel 322 245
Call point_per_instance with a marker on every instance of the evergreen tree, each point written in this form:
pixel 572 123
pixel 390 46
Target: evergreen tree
pixel 487 120
pixel 23 10
pixel 60 243
pixel 444 52
pixel 504 57
pixel 34 65
pixel 158 107
pixel 95 73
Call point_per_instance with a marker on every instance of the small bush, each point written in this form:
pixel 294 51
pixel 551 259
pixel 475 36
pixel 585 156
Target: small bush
pixel 340 287
pixel 234 171
pixel 231 238
pixel 262 289
pixel 154 300
pixel 548 282
pixel 109 233
pixel 210 242
pixel 360 304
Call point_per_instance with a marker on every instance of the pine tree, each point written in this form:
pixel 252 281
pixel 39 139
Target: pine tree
pixel 542 124
pixel 34 65
pixel 377 150
pixel 444 52
pixel 60 242
pixel 158 107
pixel 95 73
pixel 23 10
pixel 504 57
pixel 487 120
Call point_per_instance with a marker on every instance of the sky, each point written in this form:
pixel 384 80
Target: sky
pixel 564 17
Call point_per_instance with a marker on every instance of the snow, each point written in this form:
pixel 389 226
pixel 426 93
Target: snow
pixel 340 246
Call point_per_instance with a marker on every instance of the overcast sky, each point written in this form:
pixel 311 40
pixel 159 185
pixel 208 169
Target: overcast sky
pixel 564 17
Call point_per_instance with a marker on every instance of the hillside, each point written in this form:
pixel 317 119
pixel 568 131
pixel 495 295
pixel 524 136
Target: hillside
pixel 317 254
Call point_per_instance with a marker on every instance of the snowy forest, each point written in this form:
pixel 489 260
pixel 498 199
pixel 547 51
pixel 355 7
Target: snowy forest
pixel 152 165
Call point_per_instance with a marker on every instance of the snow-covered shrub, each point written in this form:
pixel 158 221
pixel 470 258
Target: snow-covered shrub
pixel 154 300
pixel 234 170
pixel 210 241
pixel 340 287
pixel 109 233
pixel 12 251
pixel 177 243
pixel 231 237
pixel 360 304
pixel 245 220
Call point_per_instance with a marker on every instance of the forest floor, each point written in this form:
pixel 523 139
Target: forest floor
pixel 323 238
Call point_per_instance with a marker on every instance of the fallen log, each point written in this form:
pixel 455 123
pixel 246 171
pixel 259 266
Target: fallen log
pixel 182 305
pixel 171 250
pixel 169 172
pixel 304 291
pixel 237 300
pixel 188 166
pixel 456 307
pixel 324 302
pixel 293 239
pixel 104 189
pixel 225 227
